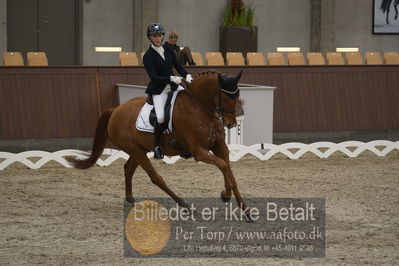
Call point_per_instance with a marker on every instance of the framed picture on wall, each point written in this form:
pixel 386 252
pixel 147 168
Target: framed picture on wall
pixel 385 17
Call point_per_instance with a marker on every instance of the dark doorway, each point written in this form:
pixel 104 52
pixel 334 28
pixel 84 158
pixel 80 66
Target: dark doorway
pixel 48 26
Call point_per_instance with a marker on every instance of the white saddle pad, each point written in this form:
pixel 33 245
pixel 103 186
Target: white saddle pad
pixel 143 120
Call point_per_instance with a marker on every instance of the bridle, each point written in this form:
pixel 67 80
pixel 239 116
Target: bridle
pixel 219 109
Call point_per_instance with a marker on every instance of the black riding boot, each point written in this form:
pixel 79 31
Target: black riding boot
pixel 158 128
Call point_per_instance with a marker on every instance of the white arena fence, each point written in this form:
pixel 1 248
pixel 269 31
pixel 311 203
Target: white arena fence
pixel 263 151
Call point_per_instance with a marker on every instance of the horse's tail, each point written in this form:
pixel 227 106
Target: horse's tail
pixel 385 4
pixel 99 142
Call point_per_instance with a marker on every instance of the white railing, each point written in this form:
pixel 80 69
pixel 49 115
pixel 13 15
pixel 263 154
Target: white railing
pixel 262 151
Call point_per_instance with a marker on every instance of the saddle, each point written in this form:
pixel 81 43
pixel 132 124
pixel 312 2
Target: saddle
pixel 168 107
pixel 168 116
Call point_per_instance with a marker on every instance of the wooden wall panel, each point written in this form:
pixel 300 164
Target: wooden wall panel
pixel 109 77
pixel 331 98
pixel 63 102
pixel 47 102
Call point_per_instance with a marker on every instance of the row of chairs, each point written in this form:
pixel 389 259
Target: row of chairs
pixel 278 58
pixel 33 58
pixel 234 59
pixel 297 58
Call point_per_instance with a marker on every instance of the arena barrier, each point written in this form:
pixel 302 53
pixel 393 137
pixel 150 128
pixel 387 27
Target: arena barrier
pixel 263 151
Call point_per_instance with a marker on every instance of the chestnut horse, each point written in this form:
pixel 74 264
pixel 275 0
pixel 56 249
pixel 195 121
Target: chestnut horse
pixel 200 113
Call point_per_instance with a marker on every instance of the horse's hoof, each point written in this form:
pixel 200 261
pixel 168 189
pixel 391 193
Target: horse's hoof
pixel 183 204
pixel 131 201
pixel 247 217
pixel 224 198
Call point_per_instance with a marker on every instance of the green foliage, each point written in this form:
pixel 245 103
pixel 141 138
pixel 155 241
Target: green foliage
pixel 227 14
pixel 250 16
pixel 244 17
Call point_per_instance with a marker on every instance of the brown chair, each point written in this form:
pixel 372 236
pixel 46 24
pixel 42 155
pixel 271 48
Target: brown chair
pixel 235 59
pixel 354 59
pixel 255 59
pixel 373 58
pixel 197 57
pixel 37 59
pixel 275 59
pixel 214 59
pixel 334 58
pixel 36 54
pixel 315 58
pixel 233 54
pixel 12 59
pixel 391 58
pixel 296 59
pixel 128 59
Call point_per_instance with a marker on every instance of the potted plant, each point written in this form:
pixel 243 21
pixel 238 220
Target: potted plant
pixel 238 32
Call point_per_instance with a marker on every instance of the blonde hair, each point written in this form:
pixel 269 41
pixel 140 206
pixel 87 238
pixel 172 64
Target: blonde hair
pixel 173 34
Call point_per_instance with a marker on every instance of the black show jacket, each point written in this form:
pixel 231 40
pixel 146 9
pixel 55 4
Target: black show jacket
pixel 160 70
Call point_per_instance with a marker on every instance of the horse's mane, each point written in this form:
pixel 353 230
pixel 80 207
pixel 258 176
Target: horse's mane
pixel 206 73
pixel 199 77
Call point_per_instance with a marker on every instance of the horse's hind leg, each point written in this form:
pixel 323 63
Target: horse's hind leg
pixel 144 162
pixel 130 167
pixel 396 9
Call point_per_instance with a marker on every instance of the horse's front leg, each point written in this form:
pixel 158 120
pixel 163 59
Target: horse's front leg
pixel 223 164
pixel 396 8
pixel 222 152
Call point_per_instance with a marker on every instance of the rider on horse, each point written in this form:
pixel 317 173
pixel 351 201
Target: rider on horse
pixel 158 61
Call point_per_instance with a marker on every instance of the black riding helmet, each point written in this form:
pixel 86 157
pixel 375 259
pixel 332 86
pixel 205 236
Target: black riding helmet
pixel 155 28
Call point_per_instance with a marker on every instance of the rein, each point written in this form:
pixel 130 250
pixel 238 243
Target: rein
pixel 198 101
pixel 218 109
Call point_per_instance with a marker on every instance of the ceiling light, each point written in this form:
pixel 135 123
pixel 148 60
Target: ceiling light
pixel 108 49
pixel 288 49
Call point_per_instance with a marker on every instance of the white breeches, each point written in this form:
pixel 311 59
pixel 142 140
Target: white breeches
pixel 159 104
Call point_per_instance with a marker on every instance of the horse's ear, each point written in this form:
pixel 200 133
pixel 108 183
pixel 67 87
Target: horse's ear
pixel 238 76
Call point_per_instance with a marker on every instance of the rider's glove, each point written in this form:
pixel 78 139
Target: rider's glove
pixel 176 79
pixel 189 78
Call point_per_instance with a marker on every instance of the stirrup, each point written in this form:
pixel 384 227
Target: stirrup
pixel 158 153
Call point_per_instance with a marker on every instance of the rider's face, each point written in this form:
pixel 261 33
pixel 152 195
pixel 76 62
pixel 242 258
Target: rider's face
pixel 156 39
pixel 173 40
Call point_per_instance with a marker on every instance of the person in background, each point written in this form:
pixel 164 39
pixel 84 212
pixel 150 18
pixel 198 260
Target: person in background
pixel 183 54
